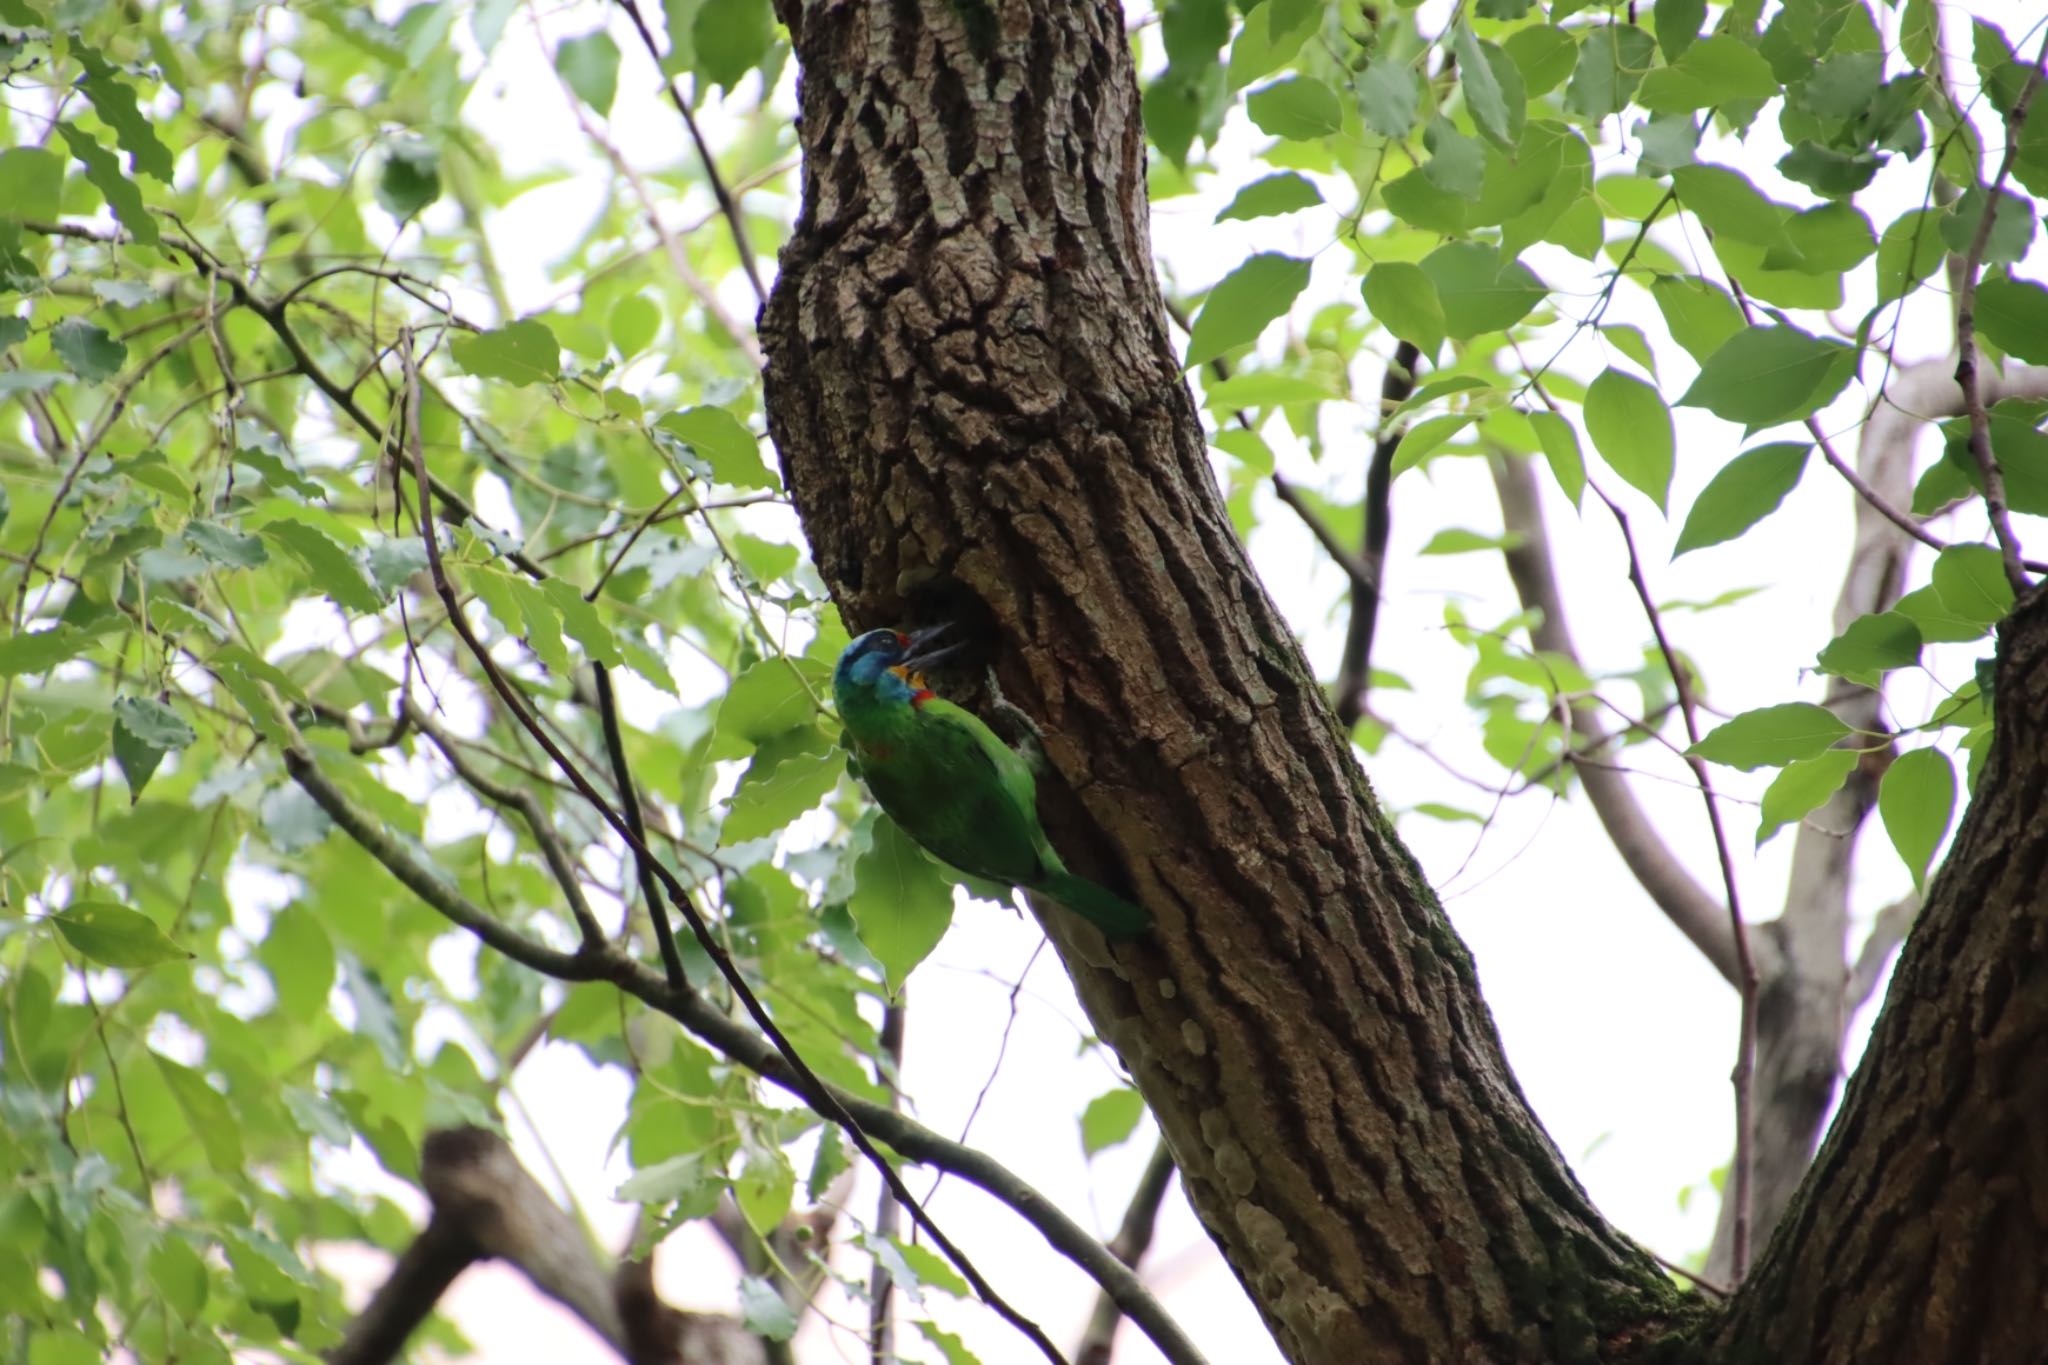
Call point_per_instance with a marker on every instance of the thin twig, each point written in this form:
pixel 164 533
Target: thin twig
pixel 1966 337
pixel 1745 965
pixel 629 804
pixel 679 895
pixel 726 204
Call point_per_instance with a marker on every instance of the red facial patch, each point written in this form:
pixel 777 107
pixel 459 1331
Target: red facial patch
pixel 921 696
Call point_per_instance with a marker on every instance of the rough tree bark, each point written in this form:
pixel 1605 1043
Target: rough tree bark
pixel 980 414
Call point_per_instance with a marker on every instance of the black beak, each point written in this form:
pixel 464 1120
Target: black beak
pixel 919 655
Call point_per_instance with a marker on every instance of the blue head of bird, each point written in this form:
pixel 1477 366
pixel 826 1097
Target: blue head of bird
pixel 887 664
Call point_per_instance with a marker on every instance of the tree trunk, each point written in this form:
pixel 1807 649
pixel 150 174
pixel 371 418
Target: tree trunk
pixel 980 415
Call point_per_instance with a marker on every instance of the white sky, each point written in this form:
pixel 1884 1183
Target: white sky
pixel 1621 1035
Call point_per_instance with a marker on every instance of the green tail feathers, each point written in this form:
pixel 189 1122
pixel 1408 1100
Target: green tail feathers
pixel 1098 905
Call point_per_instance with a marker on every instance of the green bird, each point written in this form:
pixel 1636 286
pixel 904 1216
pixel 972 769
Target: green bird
pixel 947 781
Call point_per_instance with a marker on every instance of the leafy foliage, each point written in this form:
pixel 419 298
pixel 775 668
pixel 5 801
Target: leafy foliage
pixel 234 287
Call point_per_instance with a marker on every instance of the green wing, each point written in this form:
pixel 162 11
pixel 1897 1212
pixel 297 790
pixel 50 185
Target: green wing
pixel 961 793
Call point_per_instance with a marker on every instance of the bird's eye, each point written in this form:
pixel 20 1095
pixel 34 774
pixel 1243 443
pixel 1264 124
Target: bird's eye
pixel 902 640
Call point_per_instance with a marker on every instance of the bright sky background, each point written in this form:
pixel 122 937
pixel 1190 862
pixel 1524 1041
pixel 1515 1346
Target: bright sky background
pixel 1621 1035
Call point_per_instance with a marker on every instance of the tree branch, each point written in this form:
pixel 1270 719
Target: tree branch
pixel 1354 668
pixel 1692 911
pixel 1745 965
pixel 756 1053
pixel 1133 1239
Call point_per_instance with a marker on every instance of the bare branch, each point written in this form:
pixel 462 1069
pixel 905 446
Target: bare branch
pixel 1966 335
pixel 1133 1239
pixel 1745 965
pixel 1887 932
pixel 1354 668
pixel 1689 907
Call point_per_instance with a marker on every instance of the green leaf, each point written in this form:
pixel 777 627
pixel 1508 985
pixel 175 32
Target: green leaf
pixel 1972 583
pixel 732 451
pixel 1762 376
pixel 40 651
pixel 410 179
pixel 949 1343
pixel 901 905
pixel 731 37
pixel 1110 1118
pixel 1480 292
pixel 1492 86
pixel 1389 97
pixel 1402 299
pixel 1825 170
pixel 634 322
pixel 1243 303
pixel 1630 341
pixel 317 1116
pixel 789 775
pixel 330 567
pixel 299 956
pixel 523 353
pixel 770 698
pixel 1746 490
pixel 1910 250
pixel 114 186
pixel 1456 540
pixel 1298 108
pixel 1249 448
pixel 1271 35
pixel 31 181
pixel 213 1123
pixel 115 936
pixel 1803 787
pixel 229 549
pixel 144 731
pixel 928 1269
pixel 1937 623
pixel 1678 24
pixel 1425 436
pixel 1266 388
pixel 113 99
pixel 1612 61
pixel 828 1163
pixel 1631 428
pixel 2013 315
pixel 1773 736
pixel 1831 237
pixel 1730 206
pixel 763 1311
pixel 1917 799
pixel 2012 226
pixel 764 1188
pixel 1719 70
pixel 1545 53
pixel 86 350
pixel 1457 164
pixel 590 64
pixel 585 625
pixel 1275 194
pixel 1872 646
pixel 1561 449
